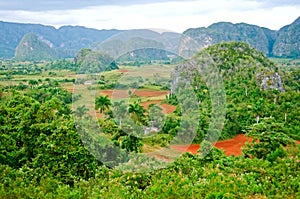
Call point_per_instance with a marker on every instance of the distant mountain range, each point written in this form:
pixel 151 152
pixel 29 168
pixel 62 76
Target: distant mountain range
pixel 282 43
pixel 40 42
pixel 67 39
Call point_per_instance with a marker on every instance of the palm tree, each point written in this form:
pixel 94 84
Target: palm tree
pixel 102 103
pixel 80 111
pixel 137 112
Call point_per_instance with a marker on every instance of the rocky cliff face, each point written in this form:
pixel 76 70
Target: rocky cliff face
pixel 271 81
pixel 288 42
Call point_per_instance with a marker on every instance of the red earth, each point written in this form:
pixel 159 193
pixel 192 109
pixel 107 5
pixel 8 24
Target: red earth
pixel 231 147
pixel 117 94
pixel 122 71
pixel 167 108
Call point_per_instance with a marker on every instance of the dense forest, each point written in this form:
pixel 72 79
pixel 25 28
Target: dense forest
pixel 47 151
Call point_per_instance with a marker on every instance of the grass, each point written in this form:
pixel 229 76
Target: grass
pixel 87 97
pixel 148 71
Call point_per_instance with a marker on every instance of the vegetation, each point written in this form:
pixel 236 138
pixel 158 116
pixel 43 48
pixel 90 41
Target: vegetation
pixel 51 146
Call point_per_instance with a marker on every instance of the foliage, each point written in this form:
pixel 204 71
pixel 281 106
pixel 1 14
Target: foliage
pixel 247 102
pixel 268 139
pixel 40 137
pixel 102 103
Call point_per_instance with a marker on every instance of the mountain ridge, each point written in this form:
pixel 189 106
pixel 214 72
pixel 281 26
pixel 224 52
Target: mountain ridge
pixel 68 40
pixel 274 43
pixel 11 34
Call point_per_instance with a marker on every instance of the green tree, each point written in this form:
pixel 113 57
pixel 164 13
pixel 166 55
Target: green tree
pixel 119 111
pixel 156 116
pixel 137 112
pixel 33 83
pixel 268 136
pixel 258 109
pixel 102 103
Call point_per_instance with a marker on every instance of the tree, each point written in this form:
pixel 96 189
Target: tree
pixel 156 116
pixel 33 82
pixel 268 136
pixel 102 103
pixel 119 111
pixel 137 112
pixel 258 109
pixel 80 111
pixel 286 106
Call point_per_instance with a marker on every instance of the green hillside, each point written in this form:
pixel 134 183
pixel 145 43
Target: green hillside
pixel 255 87
pixel 89 61
pixel 33 48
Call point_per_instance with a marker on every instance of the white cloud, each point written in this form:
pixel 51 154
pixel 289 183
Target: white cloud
pixel 173 15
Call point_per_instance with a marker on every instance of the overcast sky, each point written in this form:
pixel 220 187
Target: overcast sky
pixel 173 15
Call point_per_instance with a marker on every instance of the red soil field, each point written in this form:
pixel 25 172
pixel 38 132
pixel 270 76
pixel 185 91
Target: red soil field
pixel 167 108
pixel 231 147
pixel 141 93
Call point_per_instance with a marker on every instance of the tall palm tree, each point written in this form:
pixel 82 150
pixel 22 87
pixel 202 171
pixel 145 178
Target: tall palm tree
pixel 102 103
pixel 137 112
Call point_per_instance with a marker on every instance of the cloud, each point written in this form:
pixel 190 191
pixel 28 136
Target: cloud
pixel 46 5
pixel 169 15
pixel 277 3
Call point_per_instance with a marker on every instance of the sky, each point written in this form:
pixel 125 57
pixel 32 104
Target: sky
pixel 170 15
